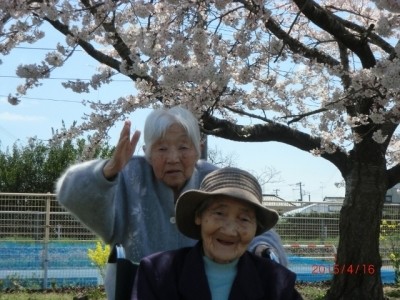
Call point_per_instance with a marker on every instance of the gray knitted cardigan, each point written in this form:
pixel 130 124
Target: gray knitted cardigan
pixel 134 209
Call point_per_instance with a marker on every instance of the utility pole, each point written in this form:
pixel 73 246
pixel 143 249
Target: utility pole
pixel 322 191
pixel 301 191
pixel 276 192
pixel 204 149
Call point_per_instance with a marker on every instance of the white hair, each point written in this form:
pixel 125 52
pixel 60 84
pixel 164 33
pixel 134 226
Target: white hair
pixel 159 120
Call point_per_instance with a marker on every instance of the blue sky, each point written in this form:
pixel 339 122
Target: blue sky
pixel 46 106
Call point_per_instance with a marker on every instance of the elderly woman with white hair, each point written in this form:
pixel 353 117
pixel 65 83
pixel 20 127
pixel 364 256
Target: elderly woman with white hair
pixel 130 200
pixel 224 215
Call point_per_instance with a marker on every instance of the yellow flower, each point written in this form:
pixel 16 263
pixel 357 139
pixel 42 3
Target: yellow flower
pixel 99 256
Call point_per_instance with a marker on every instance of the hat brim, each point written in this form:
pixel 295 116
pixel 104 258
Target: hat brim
pixel 189 202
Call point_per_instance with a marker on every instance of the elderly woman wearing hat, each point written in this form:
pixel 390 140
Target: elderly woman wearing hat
pixel 225 214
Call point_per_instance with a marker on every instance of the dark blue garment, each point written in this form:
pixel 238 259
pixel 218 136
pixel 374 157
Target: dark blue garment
pixel 180 274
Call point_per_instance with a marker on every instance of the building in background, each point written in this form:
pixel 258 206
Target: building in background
pixel 393 195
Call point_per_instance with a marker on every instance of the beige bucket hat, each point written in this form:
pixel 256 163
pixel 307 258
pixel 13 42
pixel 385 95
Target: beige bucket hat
pixel 232 182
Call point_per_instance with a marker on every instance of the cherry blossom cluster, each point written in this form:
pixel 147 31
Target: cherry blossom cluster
pixel 261 57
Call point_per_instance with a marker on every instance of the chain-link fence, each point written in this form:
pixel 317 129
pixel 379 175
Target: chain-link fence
pixel 42 245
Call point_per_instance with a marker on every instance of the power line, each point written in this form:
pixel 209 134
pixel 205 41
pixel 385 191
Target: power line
pixel 61 78
pixel 40 48
pixel 47 99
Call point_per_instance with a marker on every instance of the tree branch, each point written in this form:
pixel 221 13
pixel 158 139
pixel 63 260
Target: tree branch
pixel 119 45
pixel 369 33
pixel 295 45
pixel 270 132
pixel 330 23
pixel 96 54
pixel 244 113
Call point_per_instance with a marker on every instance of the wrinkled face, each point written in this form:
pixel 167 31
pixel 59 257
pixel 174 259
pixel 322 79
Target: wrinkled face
pixel 173 157
pixel 227 227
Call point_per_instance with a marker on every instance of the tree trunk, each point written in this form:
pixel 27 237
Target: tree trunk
pixel 357 270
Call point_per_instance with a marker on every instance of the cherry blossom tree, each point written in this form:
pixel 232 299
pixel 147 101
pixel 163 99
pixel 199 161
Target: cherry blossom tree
pixel 321 76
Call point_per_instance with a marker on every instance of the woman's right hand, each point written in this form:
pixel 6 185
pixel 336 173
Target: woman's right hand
pixel 123 152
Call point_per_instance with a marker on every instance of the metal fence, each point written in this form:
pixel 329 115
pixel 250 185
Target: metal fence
pixel 42 245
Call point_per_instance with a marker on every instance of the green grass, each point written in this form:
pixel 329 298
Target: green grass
pixel 93 293
pixel 36 296
pixel 317 291
pixel 308 291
